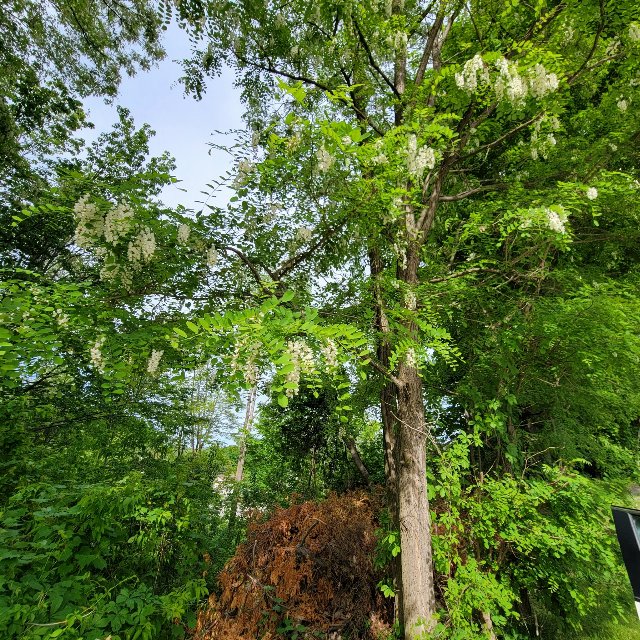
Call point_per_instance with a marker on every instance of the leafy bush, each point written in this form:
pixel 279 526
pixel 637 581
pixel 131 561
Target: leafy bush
pixel 515 554
pixel 127 559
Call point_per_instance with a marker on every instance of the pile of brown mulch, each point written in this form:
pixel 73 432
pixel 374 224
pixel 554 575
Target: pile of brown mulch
pixel 310 568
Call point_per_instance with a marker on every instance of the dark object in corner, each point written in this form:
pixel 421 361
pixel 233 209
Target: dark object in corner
pixel 627 523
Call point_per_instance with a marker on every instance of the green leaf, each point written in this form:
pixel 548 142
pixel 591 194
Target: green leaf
pixel 283 401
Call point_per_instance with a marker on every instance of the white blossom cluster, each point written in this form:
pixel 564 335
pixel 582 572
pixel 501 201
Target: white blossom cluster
pixel 303 235
pixel 509 85
pixel 141 248
pixel 325 159
pixel 302 360
pixel 541 82
pixel 96 354
pixel 592 193
pixel 247 364
pixel 154 360
pixel 329 352
pixel 541 144
pixel 634 32
pixel 90 223
pixel 410 300
pixel 556 221
pixel 400 40
pixel 622 105
pixel 61 317
pixel 473 72
pixel 212 257
pixel 184 231
pixel 117 223
pixel 245 168
pixel 419 159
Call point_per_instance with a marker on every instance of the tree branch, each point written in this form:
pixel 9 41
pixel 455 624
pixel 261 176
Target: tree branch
pixel 426 54
pixel 372 61
pixel 465 194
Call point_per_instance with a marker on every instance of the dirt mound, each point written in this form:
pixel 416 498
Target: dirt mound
pixel 306 572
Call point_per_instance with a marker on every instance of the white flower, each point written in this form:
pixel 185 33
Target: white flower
pixel 96 354
pixel 245 168
pixel 325 159
pixel 473 74
pixel 304 234
pixel 184 230
pixel 556 221
pixel 212 257
pixel 117 223
pixel 410 300
pixel 509 86
pixel 302 360
pixel 634 32
pixel 380 159
pixel 154 361
pixel 400 40
pixel 330 354
pixel 90 223
pixel 419 160
pixel 592 193
pixel 623 105
pixel 141 248
pixel 61 317
pixel 540 82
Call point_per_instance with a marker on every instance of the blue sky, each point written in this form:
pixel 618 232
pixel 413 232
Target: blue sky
pixel 183 125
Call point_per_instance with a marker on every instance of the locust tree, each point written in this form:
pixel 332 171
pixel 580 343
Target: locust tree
pixel 402 147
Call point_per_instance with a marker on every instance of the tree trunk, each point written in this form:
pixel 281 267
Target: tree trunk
pixel 246 430
pixel 350 443
pixel 417 584
pixel 418 592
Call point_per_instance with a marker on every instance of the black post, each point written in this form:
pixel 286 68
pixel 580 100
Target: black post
pixel 627 523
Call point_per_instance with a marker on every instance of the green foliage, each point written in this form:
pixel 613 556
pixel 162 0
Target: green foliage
pixel 515 548
pixel 91 560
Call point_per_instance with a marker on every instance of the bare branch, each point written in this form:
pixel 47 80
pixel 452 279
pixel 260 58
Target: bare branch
pixel 465 194
pixel 461 274
pixel 426 54
pixel 372 61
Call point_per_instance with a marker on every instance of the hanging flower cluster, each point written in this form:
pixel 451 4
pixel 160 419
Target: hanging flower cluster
pixel 184 231
pixel 329 352
pixel 554 218
pixel 634 32
pixel 244 358
pixel 302 360
pixel 90 223
pixel 473 72
pixel 592 193
pixel 303 234
pixel 141 248
pixel 245 168
pixel 542 144
pixel 212 257
pixel 509 85
pixel 117 223
pixel 96 354
pixel 325 160
pixel 556 221
pixel 419 159
pixel 154 361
